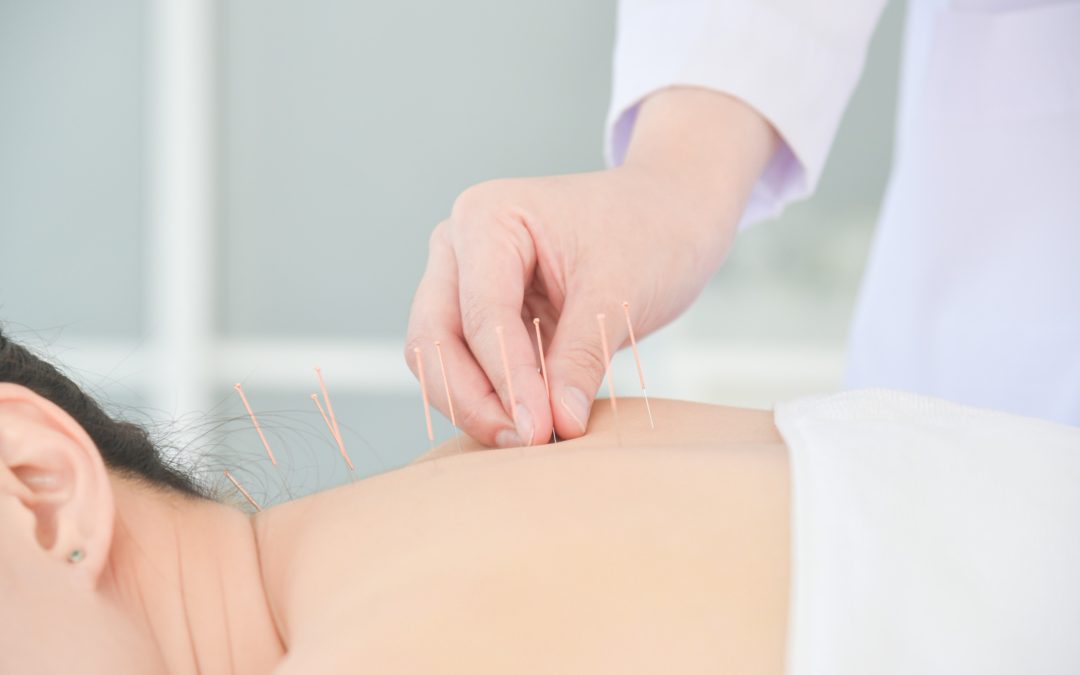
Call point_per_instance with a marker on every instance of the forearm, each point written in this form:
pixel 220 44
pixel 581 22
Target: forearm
pixel 713 146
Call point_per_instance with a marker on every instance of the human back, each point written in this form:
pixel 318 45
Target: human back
pixel 636 552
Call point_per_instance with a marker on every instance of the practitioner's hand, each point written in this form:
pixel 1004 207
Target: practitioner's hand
pixel 566 248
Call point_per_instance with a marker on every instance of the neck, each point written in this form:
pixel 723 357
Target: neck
pixel 187 572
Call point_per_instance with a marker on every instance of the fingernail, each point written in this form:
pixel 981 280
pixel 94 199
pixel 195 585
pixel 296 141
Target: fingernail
pixel 577 404
pixel 524 423
pixel 508 438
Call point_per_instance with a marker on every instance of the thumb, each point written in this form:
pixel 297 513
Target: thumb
pixel 577 361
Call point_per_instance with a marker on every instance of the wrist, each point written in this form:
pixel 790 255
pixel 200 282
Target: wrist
pixel 706 146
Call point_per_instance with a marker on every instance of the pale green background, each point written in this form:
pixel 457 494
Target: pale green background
pixel 346 129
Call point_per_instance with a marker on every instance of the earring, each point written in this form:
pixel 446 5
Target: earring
pixel 76 556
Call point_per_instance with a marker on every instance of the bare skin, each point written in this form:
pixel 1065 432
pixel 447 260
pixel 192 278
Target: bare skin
pixel 564 248
pixel 588 556
pixel 645 551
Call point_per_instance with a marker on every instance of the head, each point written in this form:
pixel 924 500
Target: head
pixel 95 527
pixel 125 448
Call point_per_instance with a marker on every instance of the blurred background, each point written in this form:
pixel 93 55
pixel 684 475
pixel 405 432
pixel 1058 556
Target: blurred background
pixel 195 193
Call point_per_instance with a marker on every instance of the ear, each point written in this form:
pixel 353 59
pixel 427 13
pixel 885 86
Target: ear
pixel 55 474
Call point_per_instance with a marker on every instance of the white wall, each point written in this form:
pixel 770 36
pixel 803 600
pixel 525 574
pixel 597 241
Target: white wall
pixel 340 134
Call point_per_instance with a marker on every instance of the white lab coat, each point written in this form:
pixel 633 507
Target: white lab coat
pixel 972 291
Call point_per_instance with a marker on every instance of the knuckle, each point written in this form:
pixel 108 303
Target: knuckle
pixel 475 318
pixel 472 419
pixel 474 197
pixel 491 214
pixel 439 236
pixel 480 201
pixel 587 357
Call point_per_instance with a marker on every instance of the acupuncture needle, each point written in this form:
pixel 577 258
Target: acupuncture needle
pixel 423 391
pixel 449 401
pixel 509 380
pixel 333 432
pixel 331 418
pixel 543 370
pixel 637 361
pixel 247 496
pixel 266 444
pixel 607 370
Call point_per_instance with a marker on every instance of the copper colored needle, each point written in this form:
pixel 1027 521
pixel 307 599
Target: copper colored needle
pixel 333 432
pixel 543 368
pixel 423 391
pixel 509 381
pixel 255 421
pixel 244 492
pixel 637 360
pixel 572 415
pixel 449 401
pixel 607 366
pixel 334 429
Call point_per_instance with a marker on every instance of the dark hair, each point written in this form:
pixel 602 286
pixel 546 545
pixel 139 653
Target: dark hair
pixel 125 447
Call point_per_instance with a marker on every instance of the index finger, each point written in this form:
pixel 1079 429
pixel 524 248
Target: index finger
pixel 436 317
pixel 495 257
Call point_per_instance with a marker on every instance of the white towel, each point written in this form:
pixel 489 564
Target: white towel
pixel 930 537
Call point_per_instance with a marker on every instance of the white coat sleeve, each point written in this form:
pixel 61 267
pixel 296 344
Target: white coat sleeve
pixel 795 62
